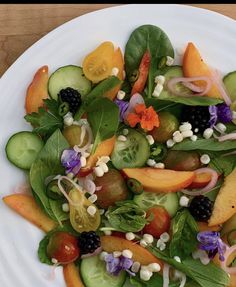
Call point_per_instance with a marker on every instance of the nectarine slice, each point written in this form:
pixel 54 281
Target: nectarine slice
pixel 140 254
pixel 105 148
pixel 194 66
pixel 201 180
pixel 26 206
pixel 203 226
pixel 37 91
pixel 72 276
pixel 118 62
pixel 161 180
pixel 225 203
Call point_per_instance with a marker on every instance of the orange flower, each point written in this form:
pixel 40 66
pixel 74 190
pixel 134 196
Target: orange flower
pixel 147 117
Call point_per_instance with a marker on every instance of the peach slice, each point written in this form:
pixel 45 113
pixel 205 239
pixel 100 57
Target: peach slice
pixel 203 226
pixel 194 66
pixel 201 180
pixel 225 203
pixel 140 254
pixel 37 91
pixel 161 180
pixel 26 206
pixel 72 276
pixel 105 148
pixel 118 63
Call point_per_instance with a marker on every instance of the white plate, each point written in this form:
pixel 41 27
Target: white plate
pixel 213 33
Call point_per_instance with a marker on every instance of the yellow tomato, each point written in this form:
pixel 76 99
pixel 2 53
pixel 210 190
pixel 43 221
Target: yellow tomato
pixel 98 65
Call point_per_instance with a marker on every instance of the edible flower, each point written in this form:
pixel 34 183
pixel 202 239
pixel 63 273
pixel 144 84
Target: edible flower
pixel 224 113
pixel 123 106
pixel 213 115
pixel 70 159
pixel 114 265
pixel 147 117
pixel 211 242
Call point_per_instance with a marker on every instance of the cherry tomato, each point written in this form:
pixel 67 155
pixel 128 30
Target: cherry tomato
pixel 63 247
pixel 139 84
pixel 160 221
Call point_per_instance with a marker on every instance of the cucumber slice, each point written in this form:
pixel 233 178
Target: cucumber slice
pixel 174 71
pixel 93 272
pixel 230 85
pixel 68 76
pixel 169 201
pixel 134 152
pixel 22 149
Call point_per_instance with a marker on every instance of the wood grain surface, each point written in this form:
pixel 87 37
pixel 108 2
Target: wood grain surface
pixel 21 25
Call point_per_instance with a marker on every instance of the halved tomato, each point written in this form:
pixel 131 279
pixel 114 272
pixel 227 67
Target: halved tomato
pixel 98 64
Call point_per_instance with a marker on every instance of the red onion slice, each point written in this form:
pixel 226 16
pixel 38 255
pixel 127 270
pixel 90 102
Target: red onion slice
pixel 171 85
pixel 229 251
pixel 166 271
pixel 96 252
pixel 231 136
pixel 221 87
pixel 208 187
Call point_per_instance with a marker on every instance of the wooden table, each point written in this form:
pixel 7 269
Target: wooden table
pixel 23 24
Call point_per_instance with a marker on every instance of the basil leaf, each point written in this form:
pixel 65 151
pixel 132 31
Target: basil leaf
pixel 205 144
pixel 126 216
pixel 205 275
pixel 103 117
pixel 97 92
pixel 147 37
pixel 184 231
pixel 49 163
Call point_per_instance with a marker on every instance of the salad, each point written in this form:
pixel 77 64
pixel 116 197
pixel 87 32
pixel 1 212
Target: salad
pixel 131 167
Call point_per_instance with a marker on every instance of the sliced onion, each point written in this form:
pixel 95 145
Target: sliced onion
pixel 136 99
pixel 171 85
pixel 221 87
pixel 183 280
pixel 82 135
pixel 231 136
pixel 208 187
pixel 229 251
pixel 166 278
pixel 84 127
pixel 96 252
pixel 229 153
pixel 63 190
pixel 89 186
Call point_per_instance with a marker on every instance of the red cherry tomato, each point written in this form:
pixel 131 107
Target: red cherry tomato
pixel 139 85
pixel 63 247
pixel 160 222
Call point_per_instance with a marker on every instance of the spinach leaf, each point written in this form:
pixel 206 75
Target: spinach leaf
pixel 205 144
pixel 190 101
pixel 103 117
pixel 48 163
pixel 42 250
pixel 47 120
pixel 155 281
pixel 205 275
pixel 97 92
pixel 126 216
pixel 222 164
pixel 184 230
pixel 147 37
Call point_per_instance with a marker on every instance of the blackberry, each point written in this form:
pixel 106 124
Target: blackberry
pixel 197 116
pixel 88 242
pixel 72 97
pixel 201 208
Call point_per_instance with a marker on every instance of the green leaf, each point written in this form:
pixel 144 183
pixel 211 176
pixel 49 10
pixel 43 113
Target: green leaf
pixel 223 164
pixel 155 281
pixel 126 216
pixel 147 37
pixel 191 101
pixel 205 144
pixel 205 275
pixel 97 92
pixel 103 117
pixel 42 250
pixel 184 230
pixel 47 120
pixel 49 163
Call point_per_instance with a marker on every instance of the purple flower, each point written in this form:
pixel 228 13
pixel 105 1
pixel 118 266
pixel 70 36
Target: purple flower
pixel 70 159
pixel 115 265
pixel 213 115
pixel 224 113
pixel 211 242
pixel 123 106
